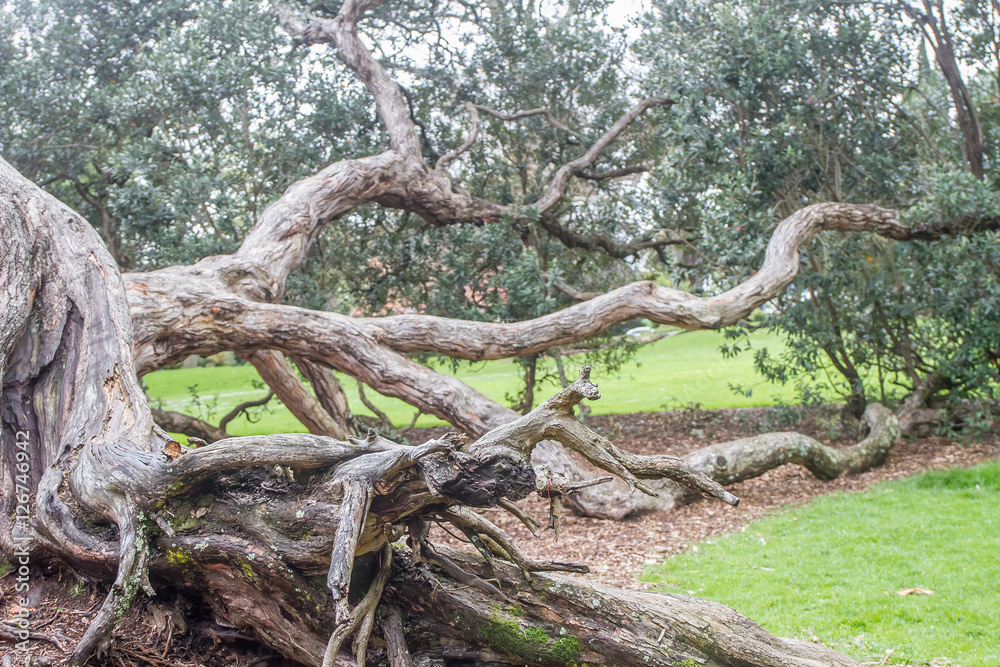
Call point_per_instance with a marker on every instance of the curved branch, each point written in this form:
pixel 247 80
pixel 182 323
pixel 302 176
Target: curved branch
pixel 178 422
pixel 397 179
pixel 132 574
pixel 557 188
pixel 746 458
pixel 343 33
pixel 371 348
pixel 470 139
pixel 663 305
pixel 517 115
pixel 243 407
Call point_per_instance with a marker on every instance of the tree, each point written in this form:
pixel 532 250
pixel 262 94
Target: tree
pixel 77 430
pixel 815 102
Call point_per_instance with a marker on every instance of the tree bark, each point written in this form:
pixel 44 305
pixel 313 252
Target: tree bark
pixel 92 456
pixel 934 24
pixel 231 302
pixel 281 377
pixel 329 393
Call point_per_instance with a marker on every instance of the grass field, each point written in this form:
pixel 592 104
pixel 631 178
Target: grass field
pixel 669 373
pixel 831 570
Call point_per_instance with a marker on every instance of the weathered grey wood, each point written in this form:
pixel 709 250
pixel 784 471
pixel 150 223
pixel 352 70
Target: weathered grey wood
pixel 281 377
pixel 329 393
pixel 73 336
pixel 100 459
pixel 69 385
pixel 583 623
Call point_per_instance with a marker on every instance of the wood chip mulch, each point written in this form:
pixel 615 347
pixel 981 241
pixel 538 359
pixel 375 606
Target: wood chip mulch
pixel 615 551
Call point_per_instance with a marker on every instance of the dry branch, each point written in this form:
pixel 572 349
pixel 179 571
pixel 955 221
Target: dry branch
pixel 254 563
pixel 68 325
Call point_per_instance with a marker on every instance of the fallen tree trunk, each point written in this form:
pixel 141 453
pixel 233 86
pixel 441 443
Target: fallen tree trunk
pixel 556 619
pixel 304 565
pixel 231 303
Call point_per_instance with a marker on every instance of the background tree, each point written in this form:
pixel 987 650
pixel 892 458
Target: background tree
pixel 74 338
pixel 786 106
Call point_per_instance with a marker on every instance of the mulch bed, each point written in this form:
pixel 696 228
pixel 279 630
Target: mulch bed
pixel 615 551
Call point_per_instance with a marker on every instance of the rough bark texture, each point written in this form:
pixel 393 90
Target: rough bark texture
pixel 303 563
pixel 259 551
pixel 230 302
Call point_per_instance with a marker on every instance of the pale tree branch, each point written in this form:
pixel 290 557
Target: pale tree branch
pixel 557 188
pixel 281 377
pixel 328 391
pixel 372 349
pixel 343 33
pixel 470 139
pixel 527 113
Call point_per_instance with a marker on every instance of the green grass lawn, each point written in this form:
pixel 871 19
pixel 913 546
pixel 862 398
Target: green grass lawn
pixel 670 373
pixel 830 570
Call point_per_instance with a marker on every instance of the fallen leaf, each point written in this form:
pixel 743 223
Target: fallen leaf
pixel 173 449
pixel 915 591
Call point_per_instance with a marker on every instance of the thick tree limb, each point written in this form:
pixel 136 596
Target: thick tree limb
pixel 328 392
pixel 342 32
pixel 731 462
pixel 582 624
pixel 67 338
pixel 281 377
pixel 663 305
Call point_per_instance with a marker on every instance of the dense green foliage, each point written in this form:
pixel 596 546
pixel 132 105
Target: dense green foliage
pixel 169 125
pixel 787 105
pixel 172 125
pixel 830 571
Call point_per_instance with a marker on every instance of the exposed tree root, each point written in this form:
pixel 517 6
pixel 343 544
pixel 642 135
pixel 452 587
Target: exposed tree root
pixel 132 575
pixel 363 614
pixel 9 633
pixel 254 548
